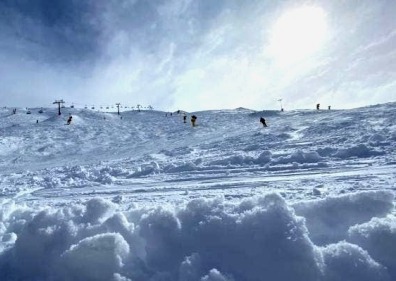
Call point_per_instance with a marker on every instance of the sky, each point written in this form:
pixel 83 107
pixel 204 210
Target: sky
pixel 311 197
pixel 196 55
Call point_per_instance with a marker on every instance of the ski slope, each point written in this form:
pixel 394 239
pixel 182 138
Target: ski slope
pixel 142 196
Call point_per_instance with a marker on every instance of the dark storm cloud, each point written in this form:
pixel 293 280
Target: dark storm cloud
pixel 75 30
pixel 49 31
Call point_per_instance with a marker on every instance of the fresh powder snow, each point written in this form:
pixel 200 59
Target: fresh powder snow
pixel 144 196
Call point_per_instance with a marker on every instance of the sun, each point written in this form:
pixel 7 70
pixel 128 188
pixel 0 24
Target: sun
pixel 297 34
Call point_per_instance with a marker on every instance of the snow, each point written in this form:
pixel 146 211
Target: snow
pixel 148 197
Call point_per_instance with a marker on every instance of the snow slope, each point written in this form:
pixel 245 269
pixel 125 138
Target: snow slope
pixel 142 196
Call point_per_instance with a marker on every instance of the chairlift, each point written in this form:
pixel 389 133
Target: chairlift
pixel 92 107
pixel 85 107
pixel 40 111
pixel 28 112
pixel 72 106
pixel 107 107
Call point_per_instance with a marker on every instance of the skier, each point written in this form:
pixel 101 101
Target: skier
pixel 262 121
pixel 184 118
pixel 69 120
pixel 317 106
pixel 193 119
pixel 329 107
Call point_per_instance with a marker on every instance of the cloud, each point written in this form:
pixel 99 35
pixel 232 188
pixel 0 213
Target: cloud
pixel 187 54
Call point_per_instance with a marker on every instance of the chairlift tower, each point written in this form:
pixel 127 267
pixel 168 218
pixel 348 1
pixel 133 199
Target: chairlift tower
pixel 59 102
pixel 118 108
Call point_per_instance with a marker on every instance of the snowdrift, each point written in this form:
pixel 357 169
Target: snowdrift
pixel 258 238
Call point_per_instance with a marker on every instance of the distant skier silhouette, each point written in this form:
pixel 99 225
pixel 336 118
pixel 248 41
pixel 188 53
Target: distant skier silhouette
pixel 317 106
pixel 69 120
pixel 262 121
pixel 193 120
pixel 184 118
pixel 329 107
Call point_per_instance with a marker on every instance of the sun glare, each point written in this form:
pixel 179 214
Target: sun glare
pixel 298 34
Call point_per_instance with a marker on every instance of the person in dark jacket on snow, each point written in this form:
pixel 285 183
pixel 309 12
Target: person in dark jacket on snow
pixel 262 121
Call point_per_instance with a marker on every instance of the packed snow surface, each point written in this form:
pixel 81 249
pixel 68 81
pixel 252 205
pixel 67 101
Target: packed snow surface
pixel 143 196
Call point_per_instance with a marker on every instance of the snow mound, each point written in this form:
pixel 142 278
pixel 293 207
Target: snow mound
pixel 360 151
pixel 378 237
pixel 329 219
pixel 214 240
